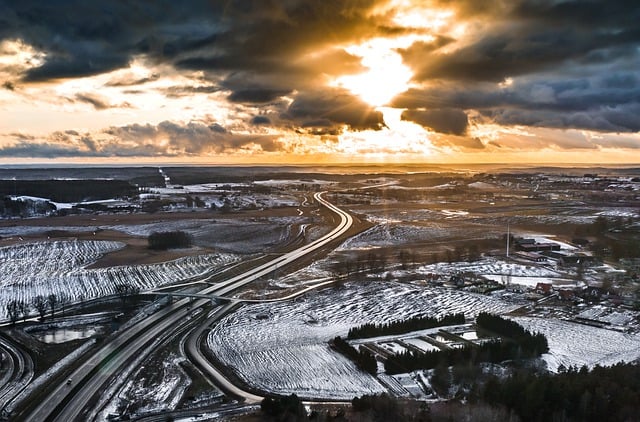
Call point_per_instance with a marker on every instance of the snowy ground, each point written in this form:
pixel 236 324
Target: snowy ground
pixel 282 347
pixel 219 194
pixel 573 344
pixel 392 233
pixel 234 235
pixel 161 390
pixel 58 268
pixel 503 272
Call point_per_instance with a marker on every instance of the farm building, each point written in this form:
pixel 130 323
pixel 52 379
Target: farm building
pixel 530 256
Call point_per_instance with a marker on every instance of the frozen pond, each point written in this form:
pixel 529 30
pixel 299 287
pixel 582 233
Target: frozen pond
pixel 63 335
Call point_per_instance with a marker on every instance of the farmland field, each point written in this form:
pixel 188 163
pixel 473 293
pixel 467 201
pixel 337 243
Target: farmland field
pixel 59 268
pixel 574 344
pixel 282 347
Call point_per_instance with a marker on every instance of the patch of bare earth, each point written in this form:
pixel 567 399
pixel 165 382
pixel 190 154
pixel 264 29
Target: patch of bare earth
pixel 135 251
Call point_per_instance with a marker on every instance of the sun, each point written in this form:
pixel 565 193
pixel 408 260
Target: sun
pixel 387 75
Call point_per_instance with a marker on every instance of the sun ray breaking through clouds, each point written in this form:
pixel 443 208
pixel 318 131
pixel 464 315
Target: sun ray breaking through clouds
pixel 408 80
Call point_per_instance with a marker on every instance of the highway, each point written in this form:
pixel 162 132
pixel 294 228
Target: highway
pixel 67 402
pixel 192 348
pixel 194 352
pixel 18 372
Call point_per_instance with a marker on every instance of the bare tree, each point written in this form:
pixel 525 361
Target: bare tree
pixel 125 290
pixel 52 300
pixel 405 258
pixel 13 310
pixel 40 303
pixel 24 310
pixel 449 256
pixel 63 300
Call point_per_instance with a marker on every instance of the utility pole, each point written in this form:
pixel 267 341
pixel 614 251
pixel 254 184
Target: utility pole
pixel 508 237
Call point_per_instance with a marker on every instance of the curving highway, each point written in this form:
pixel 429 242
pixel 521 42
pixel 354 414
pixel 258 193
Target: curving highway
pixel 17 372
pixel 194 341
pixel 67 402
pixel 192 348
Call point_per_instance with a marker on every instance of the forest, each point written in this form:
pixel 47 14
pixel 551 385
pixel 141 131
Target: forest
pixel 515 343
pixel 600 394
pixel 404 326
pixel 365 360
pixel 169 240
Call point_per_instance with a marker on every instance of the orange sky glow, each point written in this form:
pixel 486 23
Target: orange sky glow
pixel 370 81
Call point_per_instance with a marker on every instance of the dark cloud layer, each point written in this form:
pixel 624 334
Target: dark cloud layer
pixel 572 64
pixel 449 121
pixel 166 139
pixel 334 106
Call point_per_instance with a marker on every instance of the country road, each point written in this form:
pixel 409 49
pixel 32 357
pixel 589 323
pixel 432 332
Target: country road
pixel 67 402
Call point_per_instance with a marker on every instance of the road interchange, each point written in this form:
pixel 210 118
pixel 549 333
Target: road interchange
pixel 68 402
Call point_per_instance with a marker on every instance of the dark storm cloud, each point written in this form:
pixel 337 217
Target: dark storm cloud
pixel 256 95
pixel 85 38
pixel 458 142
pixel 259 51
pixel 333 107
pixel 574 64
pixel 617 119
pixel 260 120
pixel 607 102
pixel 526 48
pixel 194 138
pixel 41 150
pixel 448 121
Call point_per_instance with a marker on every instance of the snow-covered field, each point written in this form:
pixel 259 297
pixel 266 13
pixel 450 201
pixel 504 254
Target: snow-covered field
pixel 58 268
pixel 491 266
pixel 234 235
pixel 242 236
pixel 220 193
pixel 160 391
pixel 389 234
pixel 501 271
pixel 282 347
pixel 572 344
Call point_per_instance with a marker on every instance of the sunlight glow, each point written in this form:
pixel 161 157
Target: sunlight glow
pixel 420 17
pixel 387 77
pixel 17 56
pixel 399 137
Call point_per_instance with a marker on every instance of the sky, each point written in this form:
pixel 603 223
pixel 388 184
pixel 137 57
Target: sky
pixel 317 81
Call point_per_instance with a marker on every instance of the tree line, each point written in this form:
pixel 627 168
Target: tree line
pixel 404 326
pixel 169 240
pixel 381 407
pixel 495 351
pixel 69 190
pixel 507 328
pixel 42 304
pixel 517 343
pixel 365 360
pixel 604 393
pixel 625 246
